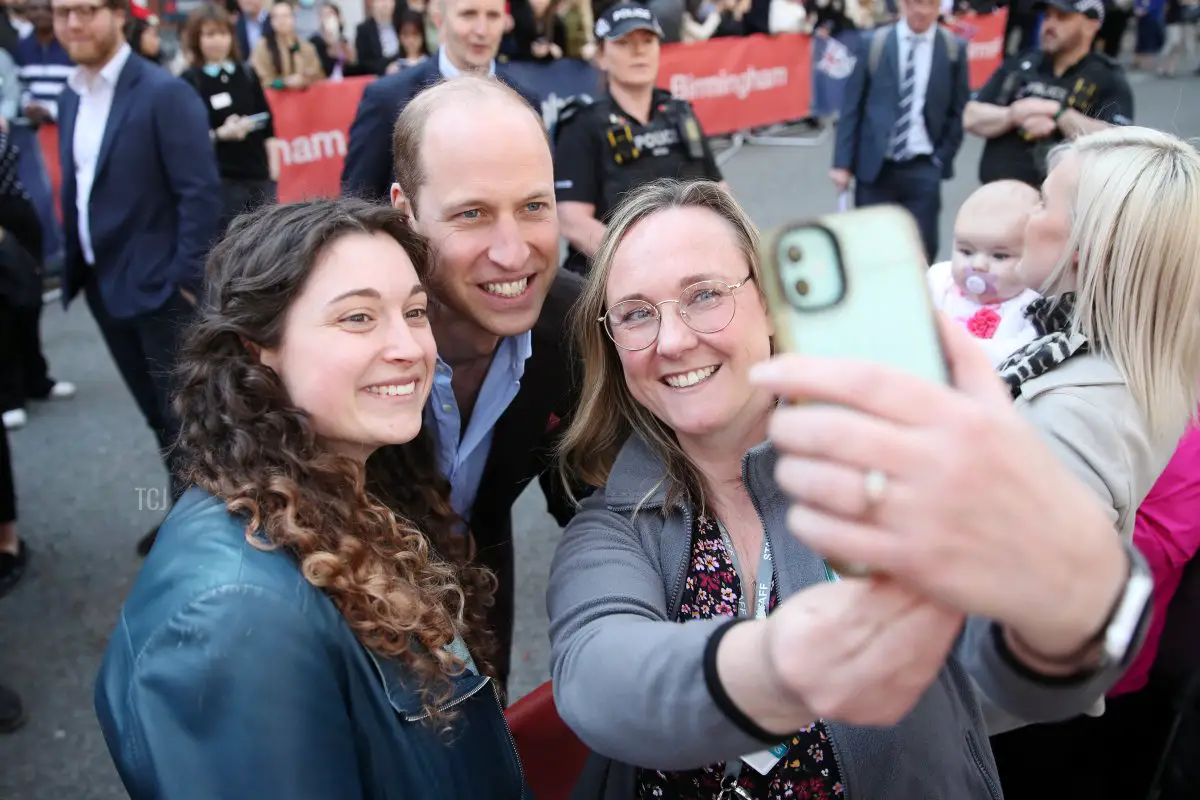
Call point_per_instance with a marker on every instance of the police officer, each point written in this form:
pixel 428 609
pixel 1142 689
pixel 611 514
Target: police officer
pixel 634 133
pixel 1040 99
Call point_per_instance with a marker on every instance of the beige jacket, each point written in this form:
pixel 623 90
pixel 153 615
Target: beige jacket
pixel 305 61
pixel 1085 411
pixel 1087 414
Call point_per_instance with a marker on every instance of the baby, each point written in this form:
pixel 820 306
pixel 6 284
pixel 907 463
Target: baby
pixel 979 288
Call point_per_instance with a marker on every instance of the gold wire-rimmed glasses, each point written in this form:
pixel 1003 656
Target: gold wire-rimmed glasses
pixel 705 307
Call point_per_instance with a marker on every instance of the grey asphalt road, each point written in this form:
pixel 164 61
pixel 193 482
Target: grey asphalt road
pixel 89 485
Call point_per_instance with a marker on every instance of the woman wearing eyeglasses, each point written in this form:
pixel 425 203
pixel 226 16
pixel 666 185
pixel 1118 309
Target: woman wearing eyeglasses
pixel 822 687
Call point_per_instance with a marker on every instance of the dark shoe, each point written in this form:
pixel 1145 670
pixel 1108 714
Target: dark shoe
pixel 147 541
pixel 12 568
pixel 12 711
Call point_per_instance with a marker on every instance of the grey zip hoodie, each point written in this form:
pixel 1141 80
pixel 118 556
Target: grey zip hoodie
pixel 630 680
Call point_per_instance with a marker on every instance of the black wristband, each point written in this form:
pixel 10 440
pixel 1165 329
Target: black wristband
pixel 1030 674
pixel 721 698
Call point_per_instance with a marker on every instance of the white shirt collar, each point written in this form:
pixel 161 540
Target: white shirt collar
pixel 448 69
pixel 82 83
pixel 907 32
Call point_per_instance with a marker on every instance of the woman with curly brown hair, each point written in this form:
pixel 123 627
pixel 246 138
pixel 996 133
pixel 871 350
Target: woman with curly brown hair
pixel 294 634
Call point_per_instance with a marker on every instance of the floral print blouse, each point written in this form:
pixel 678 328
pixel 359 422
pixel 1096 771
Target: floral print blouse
pixel 809 769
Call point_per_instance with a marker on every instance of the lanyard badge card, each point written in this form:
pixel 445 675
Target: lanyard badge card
pixel 762 761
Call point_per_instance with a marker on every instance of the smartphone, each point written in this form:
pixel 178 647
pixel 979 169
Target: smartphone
pixel 259 121
pixel 853 285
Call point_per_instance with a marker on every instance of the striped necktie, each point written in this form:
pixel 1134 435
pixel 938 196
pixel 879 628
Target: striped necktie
pixel 898 146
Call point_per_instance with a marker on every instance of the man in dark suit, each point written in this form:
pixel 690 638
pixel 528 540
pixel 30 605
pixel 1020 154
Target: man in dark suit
pixel 470 32
pixel 141 201
pixel 253 22
pixel 901 121
pixel 474 173
pixel 372 34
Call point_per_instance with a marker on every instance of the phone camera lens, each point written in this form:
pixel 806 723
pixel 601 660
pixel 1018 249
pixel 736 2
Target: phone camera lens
pixel 802 287
pixel 794 254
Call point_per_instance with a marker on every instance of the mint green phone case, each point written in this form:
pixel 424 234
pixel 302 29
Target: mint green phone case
pixel 884 312
pixel 853 285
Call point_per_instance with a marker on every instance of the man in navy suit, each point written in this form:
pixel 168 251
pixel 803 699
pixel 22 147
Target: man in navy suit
pixel 141 200
pixel 253 22
pixel 901 121
pixel 470 32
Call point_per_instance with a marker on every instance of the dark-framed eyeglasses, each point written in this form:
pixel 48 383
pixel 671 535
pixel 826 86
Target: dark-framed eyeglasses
pixel 705 307
pixel 85 12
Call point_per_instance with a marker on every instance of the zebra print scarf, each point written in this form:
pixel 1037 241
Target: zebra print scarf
pixel 1055 343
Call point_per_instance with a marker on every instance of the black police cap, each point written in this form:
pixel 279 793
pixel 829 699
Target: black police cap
pixel 622 19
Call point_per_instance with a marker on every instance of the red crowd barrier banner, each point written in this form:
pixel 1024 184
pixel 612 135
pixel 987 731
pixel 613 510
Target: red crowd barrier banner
pixel 48 139
pixel 985 43
pixel 313 127
pixel 735 83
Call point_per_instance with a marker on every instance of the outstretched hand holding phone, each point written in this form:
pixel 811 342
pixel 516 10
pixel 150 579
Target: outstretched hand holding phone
pixel 976 511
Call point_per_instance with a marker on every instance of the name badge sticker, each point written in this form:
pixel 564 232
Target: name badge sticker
pixel 765 760
pixel 220 101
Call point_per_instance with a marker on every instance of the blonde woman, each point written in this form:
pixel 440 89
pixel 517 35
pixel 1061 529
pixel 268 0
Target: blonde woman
pixel 1006 572
pixel 1113 380
pixel 1115 247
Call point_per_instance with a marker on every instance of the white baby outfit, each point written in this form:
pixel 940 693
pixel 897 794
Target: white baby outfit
pixel 1000 328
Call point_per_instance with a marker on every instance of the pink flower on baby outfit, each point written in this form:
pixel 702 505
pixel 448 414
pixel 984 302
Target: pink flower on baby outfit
pixel 983 323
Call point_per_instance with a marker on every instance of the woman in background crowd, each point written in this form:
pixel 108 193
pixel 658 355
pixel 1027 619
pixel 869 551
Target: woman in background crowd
pixel 539 33
pixel 239 118
pixel 821 683
pixel 337 54
pixel 143 38
pixel 422 8
pixel 414 47
pixel 1112 379
pixel 280 59
pixel 292 633
pixel 578 25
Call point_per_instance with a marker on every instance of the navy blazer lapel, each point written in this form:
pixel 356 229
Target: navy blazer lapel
pixel 891 56
pixel 123 96
pixel 68 110
pixel 939 76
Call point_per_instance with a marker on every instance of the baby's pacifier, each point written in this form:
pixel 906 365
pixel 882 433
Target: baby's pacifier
pixel 978 284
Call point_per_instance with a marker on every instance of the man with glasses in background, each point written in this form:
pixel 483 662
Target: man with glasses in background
pixel 141 203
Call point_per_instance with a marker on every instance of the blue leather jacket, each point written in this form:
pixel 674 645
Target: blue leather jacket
pixel 230 676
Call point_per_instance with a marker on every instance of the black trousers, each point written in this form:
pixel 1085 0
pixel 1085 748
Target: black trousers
pixel 144 349
pixel 24 374
pixel 244 196
pixel 917 186
pixel 8 494
pixel 1112 30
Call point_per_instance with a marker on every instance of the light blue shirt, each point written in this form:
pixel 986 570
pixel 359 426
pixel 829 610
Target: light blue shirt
pixel 448 69
pixel 462 455
pixel 254 29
